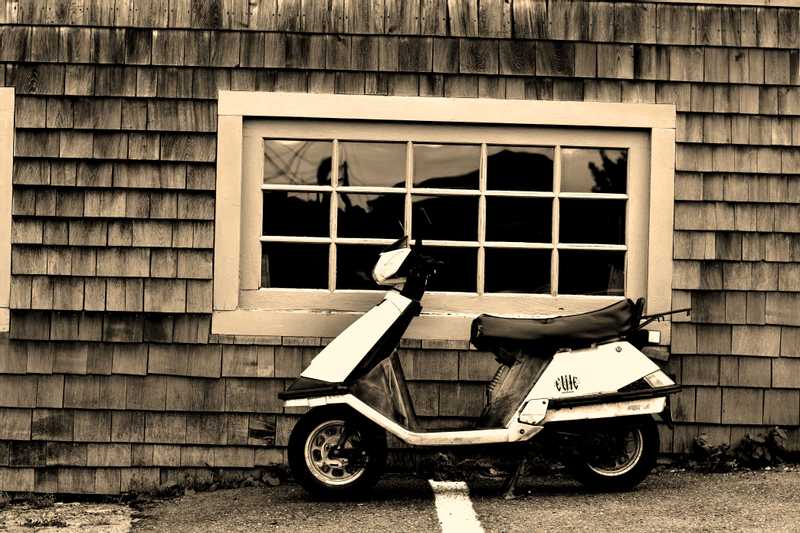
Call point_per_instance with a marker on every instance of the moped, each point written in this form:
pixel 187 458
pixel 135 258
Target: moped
pixel 581 378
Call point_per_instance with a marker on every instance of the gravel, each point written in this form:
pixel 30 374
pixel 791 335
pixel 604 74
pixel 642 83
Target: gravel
pixel 669 500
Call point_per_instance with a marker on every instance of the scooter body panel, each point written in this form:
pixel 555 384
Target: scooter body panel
pixel 601 369
pixel 337 360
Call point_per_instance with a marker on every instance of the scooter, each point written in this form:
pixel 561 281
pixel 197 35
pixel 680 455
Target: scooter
pixel 579 378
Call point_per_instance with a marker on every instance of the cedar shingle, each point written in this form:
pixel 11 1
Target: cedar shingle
pixel 742 406
pixel 165 296
pixel 555 59
pixel 52 425
pixel 15 424
pixel 709 25
pixel 676 24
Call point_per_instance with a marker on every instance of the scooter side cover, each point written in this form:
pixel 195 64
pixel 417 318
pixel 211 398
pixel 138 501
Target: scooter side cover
pixel 599 370
pixel 334 363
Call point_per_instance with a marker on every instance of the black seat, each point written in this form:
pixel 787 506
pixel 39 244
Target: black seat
pixel 571 331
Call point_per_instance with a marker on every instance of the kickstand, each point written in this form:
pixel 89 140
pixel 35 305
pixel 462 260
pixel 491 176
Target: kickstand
pixel 510 484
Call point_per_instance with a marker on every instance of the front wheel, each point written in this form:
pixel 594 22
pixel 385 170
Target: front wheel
pixel 617 455
pixel 336 454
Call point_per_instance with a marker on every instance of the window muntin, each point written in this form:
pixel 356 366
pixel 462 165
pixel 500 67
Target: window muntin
pixel 502 221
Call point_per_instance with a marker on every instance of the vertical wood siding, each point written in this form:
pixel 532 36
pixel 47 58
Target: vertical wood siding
pixel 111 379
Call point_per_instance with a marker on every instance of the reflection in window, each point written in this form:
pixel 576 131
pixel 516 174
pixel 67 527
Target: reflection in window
pixel 294 162
pixel 519 219
pixel 519 168
pixel 591 272
pixel 354 264
pixel 294 266
pixel 451 218
pixel 296 213
pixel 599 170
pixel 372 163
pixel 517 270
pixel 371 215
pixel 507 207
pixel 447 166
pixel 459 271
pixel 592 221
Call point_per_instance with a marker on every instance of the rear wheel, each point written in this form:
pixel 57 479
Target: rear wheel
pixel 617 455
pixel 335 453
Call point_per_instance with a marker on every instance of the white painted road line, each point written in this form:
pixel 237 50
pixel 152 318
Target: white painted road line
pixel 454 507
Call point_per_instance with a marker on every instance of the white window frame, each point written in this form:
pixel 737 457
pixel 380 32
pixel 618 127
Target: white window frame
pixel 6 165
pixel 241 309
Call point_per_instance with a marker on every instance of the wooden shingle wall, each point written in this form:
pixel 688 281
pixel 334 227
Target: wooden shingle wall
pixel 111 380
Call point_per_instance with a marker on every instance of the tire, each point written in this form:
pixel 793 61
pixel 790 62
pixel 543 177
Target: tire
pixel 616 455
pixel 311 441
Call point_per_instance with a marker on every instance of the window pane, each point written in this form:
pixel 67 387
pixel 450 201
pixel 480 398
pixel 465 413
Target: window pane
pixel 372 163
pixel 459 272
pixel 296 266
pixel 296 213
pixel 519 168
pixel 592 221
pixel 594 170
pixel 590 272
pixel 515 270
pixel 354 264
pixel 371 215
pixel 453 218
pixel 297 162
pixel 519 219
pixel 447 166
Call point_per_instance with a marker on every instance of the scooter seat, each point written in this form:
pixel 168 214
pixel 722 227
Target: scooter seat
pixel 570 331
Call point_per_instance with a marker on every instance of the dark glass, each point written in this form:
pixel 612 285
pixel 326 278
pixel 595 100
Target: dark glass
pixel 297 162
pixel 592 221
pixel 594 170
pixel 459 272
pixel 591 272
pixel 514 270
pixel 452 218
pixel 519 168
pixel 519 219
pixel 447 166
pixel 296 213
pixel 371 215
pixel 372 164
pixel 354 264
pixel 294 266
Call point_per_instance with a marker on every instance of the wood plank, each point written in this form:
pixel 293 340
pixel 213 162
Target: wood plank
pixel 781 407
pixel 462 18
pixel 555 59
pixel 676 24
pixel 635 23
pixel 709 25
pixel 614 61
pixel 478 56
pixel 494 18
pixel 167 428
pixel 742 406
pixel 398 18
pixel 433 17
pixel 519 57
pixel 530 19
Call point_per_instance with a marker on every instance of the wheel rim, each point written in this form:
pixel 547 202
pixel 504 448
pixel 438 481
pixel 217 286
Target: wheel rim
pixel 622 455
pixel 333 470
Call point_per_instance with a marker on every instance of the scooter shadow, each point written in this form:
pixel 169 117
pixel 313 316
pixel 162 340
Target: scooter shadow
pixel 389 490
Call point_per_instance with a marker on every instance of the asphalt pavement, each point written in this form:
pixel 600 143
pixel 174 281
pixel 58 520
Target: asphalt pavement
pixel 763 501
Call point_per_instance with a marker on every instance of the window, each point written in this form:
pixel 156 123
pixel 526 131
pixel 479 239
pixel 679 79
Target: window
pixel 504 219
pixel 528 217
pixel 6 161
